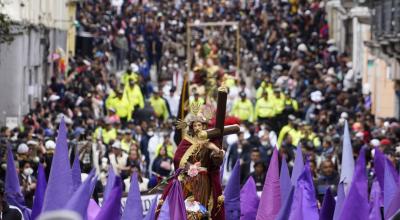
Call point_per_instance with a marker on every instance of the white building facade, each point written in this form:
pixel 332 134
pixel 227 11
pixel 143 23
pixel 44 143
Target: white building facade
pixel 369 30
pixel 39 28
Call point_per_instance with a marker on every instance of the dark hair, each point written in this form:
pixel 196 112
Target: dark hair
pixel 165 149
pixel 137 167
pixel 257 163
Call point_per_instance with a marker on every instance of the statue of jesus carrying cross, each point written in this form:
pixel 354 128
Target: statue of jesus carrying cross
pixel 198 159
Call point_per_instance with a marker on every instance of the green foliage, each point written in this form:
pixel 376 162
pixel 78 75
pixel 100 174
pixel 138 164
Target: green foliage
pixel 5 29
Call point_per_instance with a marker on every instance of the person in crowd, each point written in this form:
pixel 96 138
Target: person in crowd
pixel 118 158
pixel 143 181
pixel 259 174
pixel 106 134
pixel 234 151
pixel 142 139
pixel 173 102
pixel 328 178
pixel 265 110
pixel 162 165
pixel 121 105
pixel 127 141
pixel 27 182
pixel 243 108
pixel 8 212
pixel 134 94
pixel 248 166
pixel 167 144
pixel 159 106
pixel 121 46
pixel 134 159
pixel 130 74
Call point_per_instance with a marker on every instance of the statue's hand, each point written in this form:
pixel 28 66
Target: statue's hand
pixel 217 157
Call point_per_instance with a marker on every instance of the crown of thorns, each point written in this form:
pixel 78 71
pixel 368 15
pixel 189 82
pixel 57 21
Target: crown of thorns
pixel 197 113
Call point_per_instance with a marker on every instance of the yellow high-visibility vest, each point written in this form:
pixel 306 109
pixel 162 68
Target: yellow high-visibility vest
pixel 264 108
pixel 243 110
pixel 159 107
pixel 134 95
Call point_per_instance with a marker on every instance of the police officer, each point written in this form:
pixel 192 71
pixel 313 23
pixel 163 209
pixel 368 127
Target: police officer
pixel 265 111
pixel 279 102
pixel 243 108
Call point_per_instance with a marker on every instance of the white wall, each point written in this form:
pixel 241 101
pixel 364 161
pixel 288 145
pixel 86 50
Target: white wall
pixel 24 68
pixel 20 70
pixel 51 13
pixel 337 30
pixel 361 33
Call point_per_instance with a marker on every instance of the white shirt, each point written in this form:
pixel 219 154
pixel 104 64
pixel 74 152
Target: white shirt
pixel 251 166
pixel 231 139
pixel 143 186
pixel 173 102
pixel 120 161
pixel 154 141
pixel 271 136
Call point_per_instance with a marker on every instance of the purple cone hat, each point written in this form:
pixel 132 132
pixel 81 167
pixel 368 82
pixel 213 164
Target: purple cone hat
pixel 249 200
pixel 112 206
pixel 39 192
pixel 284 180
pixel 59 186
pixel 357 199
pixel 232 194
pixel 270 202
pixel 328 206
pixel 133 208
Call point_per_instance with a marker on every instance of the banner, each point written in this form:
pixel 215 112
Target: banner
pixel 146 202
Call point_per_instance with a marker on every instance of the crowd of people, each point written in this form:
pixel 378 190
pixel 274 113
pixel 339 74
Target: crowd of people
pixel 292 88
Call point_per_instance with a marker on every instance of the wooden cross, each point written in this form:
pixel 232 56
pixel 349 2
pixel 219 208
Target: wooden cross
pixel 220 130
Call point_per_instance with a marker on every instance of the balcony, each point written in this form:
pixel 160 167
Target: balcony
pixel 386 26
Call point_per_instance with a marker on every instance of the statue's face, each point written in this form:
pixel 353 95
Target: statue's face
pixel 197 127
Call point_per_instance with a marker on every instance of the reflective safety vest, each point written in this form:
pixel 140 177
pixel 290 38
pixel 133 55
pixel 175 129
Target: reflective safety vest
pixel 134 96
pixel 265 108
pixel 293 103
pixel 127 77
pixel 279 105
pixel 314 139
pixel 296 136
pixel 264 88
pixel 109 135
pixel 126 146
pixel 243 110
pixel 122 107
pixel 285 130
pixel 159 107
